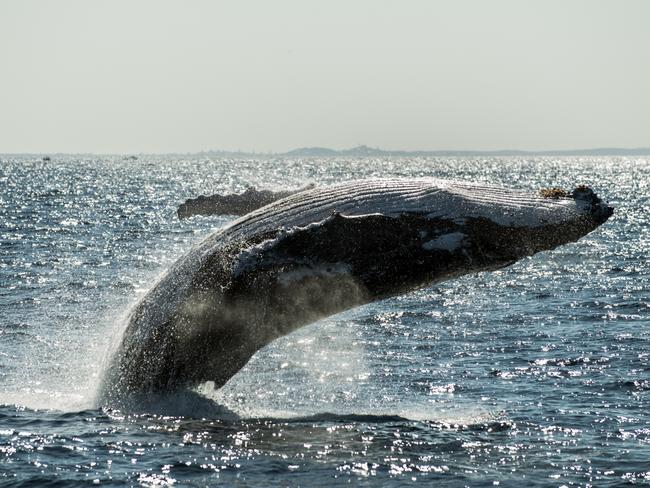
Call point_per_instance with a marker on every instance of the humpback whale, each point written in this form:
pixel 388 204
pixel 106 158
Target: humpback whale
pixel 322 251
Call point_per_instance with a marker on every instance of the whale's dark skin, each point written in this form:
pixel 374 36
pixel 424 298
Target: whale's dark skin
pixel 320 252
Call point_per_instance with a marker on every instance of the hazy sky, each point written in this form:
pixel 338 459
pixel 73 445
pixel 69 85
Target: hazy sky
pixel 182 76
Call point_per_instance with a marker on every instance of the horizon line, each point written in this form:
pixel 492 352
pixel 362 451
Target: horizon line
pixel 603 150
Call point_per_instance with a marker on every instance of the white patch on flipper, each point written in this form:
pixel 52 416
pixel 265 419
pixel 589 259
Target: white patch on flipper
pixel 446 242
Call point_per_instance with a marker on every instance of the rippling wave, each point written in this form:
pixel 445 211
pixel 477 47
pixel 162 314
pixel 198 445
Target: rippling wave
pixel 538 373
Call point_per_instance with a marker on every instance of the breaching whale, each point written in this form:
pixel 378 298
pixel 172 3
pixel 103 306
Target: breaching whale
pixel 320 252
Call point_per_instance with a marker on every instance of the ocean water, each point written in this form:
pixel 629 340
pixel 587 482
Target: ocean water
pixel 538 374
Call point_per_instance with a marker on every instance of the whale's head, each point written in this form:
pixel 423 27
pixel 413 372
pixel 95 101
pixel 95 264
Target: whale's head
pixel 500 224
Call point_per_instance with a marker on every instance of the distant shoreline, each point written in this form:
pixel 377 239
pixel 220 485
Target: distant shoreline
pixel 366 151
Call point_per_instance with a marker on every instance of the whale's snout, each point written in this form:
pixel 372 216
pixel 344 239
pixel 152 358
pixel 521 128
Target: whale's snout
pixel 589 202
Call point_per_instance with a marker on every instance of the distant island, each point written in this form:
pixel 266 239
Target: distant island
pixel 367 151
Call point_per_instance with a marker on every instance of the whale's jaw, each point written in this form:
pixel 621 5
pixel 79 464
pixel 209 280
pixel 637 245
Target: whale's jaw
pixel 320 252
